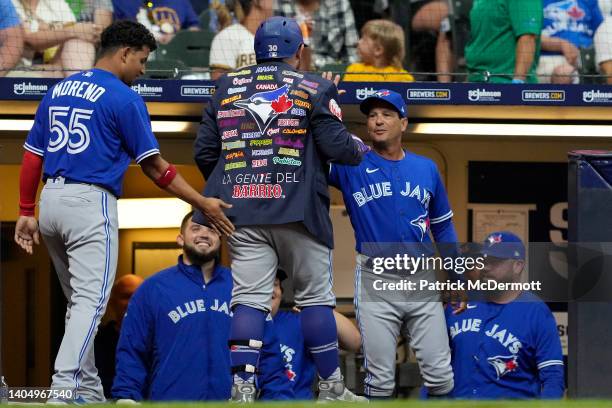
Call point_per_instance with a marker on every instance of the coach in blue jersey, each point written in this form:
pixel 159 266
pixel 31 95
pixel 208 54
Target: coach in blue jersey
pixel 507 346
pixel 263 145
pixel 396 196
pixel 87 129
pixel 173 342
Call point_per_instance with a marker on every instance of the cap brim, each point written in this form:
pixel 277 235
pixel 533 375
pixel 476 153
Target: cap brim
pixel 364 107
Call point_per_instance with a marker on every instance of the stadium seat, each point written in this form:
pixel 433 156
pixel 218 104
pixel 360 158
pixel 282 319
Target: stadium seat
pixel 165 69
pixel 334 68
pixel 191 47
pixel 587 66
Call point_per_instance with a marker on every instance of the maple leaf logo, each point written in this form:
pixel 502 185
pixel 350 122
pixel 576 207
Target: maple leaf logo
pixel 290 374
pixel 282 104
pixel 511 365
pixel 575 12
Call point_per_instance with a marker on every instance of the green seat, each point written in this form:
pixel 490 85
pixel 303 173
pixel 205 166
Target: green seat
pixel 588 66
pixel 205 19
pixel 190 47
pixel 334 68
pixel 165 69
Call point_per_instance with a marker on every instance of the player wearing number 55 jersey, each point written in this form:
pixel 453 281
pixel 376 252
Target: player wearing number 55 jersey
pixel 87 130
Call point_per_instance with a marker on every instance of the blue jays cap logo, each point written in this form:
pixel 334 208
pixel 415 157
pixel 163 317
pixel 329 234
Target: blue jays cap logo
pixel 422 223
pixel 503 364
pixel 266 106
pixel 494 239
pixel 384 92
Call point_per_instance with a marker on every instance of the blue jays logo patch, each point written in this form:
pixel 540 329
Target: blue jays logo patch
pixel 422 223
pixel 266 106
pixel 503 364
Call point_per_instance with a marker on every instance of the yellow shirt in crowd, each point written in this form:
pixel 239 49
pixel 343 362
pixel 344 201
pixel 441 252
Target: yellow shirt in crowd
pixel 386 74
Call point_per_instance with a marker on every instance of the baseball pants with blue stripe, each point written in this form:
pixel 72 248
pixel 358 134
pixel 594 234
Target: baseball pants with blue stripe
pixel 383 316
pixel 79 225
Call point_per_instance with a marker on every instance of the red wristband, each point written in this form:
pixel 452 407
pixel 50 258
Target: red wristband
pixel 29 177
pixel 166 178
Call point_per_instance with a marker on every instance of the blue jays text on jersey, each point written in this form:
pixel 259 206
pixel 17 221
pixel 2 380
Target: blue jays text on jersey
pixel 89 127
pixel 173 342
pixel 573 20
pixel 264 143
pixel 506 350
pixel 392 201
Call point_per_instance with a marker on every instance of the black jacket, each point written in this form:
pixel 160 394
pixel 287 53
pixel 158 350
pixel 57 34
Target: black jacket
pixel 264 145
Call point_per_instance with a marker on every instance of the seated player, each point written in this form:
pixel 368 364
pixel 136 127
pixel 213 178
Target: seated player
pixel 506 346
pixel 300 368
pixel 174 336
pixel 381 52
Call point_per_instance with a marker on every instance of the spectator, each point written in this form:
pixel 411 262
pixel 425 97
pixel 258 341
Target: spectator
pixel 300 368
pixel 603 41
pixel 98 11
pixel 381 52
pixel 54 41
pixel 174 336
pixel 328 26
pixel 494 353
pixel 11 37
pixel 232 47
pixel 164 18
pixel 108 334
pixel 504 44
pixel 432 16
pixel 568 26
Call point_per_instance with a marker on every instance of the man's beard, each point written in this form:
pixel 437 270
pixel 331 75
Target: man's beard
pixel 198 258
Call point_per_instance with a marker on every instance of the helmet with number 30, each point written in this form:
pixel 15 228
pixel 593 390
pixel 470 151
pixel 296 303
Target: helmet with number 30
pixel 277 38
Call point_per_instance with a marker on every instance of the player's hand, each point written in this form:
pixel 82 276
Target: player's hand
pixel 363 148
pixel 457 299
pixel 26 233
pixel 212 208
pixel 335 79
pixel 570 52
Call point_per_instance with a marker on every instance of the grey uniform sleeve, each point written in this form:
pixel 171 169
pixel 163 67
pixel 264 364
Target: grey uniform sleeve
pixel 329 133
pixel 207 145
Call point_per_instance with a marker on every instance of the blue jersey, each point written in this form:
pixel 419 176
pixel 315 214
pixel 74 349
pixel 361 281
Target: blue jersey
pixel 573 20
pixel 506 350
pixel 174 341
pixel 393 200
pixel 8 17
pixel 89 127
pixel 299 366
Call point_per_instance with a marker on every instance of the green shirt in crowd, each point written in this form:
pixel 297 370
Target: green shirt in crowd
pixel 496 26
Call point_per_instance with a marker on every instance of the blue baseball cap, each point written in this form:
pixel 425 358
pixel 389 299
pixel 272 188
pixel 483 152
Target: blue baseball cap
pixel 504 245
pixel 391 97
pixel 276 38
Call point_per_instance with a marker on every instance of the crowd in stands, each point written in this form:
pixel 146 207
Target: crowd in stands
pixel 545 41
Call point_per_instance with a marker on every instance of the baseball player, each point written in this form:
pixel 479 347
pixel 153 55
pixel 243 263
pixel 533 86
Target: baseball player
pixel 173 343
pixel 87 129
pixel 263 145
pixel 395 196
pixel 507 346
pixel 299 366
